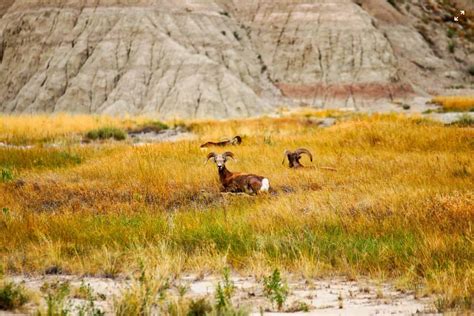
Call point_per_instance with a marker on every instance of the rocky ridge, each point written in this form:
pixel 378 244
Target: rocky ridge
pixel 219 59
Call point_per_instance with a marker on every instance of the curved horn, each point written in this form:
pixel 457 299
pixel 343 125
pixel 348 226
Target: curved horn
pixel 211 155
pixel 228 154
pixel 285 155
pixel 300 151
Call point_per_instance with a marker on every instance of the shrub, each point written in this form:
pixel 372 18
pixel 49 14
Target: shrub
pixel 106 133
pixel 153 126
pixel 451 47
pixel 224 292
pixel 237 36
pixel 6 174
pixel 464 120
pixel 85 292
pixel 12 296
pixel 298 306
pixel 447 303
pixel 200 307
pixel 143 297
pixel 56 294
pixel 451 32
pixel 275 289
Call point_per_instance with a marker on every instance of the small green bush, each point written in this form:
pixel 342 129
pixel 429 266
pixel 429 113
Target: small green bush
pixel 148 127
pixel 56 294
pixel 106 133
pixel 199 307
pixel 85 292
pixel 451 32
pixel 298 306
pixel 275 289
pixel 6 174
pixel 12 296
pixel 224 292
pixel 464 120
pixel 157 126
pixel 451 47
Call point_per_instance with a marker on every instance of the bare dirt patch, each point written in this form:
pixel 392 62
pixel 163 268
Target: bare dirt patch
pixel 333 296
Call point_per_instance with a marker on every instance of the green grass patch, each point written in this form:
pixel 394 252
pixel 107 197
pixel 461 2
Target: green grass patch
pixel 451 47
pixel 6 174
pixel 451 32
pixel 37 158
pixel 105 133
pixel 464 120
pixel 150 127
pixel 12 296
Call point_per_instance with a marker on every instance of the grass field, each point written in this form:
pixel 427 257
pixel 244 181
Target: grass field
pixel 455 103
pixel 399 207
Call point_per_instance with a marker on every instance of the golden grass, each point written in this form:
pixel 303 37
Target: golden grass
pixel 399 206
pixel 455 103
pixel 27 129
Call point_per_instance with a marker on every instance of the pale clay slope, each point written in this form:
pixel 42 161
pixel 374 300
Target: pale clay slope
pixel 211 58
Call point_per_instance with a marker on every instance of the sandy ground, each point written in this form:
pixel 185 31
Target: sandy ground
pixel 335 296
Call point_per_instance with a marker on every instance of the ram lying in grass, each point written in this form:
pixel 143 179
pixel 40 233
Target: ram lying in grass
pixel 399 207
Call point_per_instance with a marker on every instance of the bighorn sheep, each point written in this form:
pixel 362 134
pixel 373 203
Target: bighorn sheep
pixel 237 182
pixel 237 140
pixel 295 156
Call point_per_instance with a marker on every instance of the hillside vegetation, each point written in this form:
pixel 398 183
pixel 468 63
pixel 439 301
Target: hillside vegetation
pixel 399 206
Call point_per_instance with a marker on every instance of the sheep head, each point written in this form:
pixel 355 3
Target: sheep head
pixel 295 156
pixel 220 159
pixel 237 140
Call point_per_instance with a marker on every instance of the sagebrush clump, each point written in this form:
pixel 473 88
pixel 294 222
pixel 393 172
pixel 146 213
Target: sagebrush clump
pixel 12 296
pixel 106 133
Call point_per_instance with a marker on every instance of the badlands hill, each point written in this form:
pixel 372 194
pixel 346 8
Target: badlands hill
pixel 227 58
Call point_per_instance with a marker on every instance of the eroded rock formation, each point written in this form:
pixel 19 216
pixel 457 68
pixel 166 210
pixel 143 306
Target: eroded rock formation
pixel 219 58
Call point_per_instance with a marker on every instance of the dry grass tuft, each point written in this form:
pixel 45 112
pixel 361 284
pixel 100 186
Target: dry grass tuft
pixel 455 103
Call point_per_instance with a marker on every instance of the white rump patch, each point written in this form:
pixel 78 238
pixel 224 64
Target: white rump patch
pixel 265 185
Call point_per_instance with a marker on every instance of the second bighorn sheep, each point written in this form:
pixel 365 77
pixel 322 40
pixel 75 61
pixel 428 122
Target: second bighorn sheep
pixel 238 182
pixel 237 140
pixel 295 156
